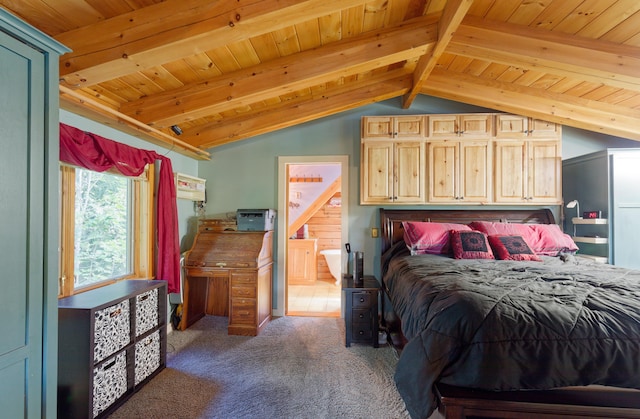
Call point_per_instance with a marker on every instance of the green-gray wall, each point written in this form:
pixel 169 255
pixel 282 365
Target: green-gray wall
pixel 244 174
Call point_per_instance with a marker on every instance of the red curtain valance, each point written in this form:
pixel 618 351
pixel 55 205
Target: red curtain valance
pixel 96 153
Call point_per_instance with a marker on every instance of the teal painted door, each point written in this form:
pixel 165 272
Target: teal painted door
pixel 22 247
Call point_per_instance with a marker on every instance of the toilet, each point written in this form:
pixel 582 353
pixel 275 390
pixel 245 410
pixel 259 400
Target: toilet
pixel 334 260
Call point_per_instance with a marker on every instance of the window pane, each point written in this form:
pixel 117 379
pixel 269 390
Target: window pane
pixel 102 228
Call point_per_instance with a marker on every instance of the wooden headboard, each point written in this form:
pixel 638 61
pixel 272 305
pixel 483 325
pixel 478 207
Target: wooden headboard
pixel 391 219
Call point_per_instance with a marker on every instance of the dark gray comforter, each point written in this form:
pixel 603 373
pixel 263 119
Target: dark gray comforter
pixel 505 325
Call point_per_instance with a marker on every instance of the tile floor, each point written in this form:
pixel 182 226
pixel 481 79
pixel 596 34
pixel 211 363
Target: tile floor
pixel 323 299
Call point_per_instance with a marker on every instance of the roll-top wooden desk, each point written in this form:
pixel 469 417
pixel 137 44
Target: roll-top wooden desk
pixel 229 273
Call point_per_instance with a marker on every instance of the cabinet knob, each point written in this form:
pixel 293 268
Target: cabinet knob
pixel 361 300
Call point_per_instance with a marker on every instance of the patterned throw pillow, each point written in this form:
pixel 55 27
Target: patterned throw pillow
pixel 423 237
pixel 470 245
pixel 512 248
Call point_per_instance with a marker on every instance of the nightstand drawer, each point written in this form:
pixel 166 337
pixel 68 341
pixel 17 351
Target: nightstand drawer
pixel 360 315
pixel 361 299
pixel 361 332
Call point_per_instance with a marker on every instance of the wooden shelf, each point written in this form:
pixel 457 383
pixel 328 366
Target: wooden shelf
pixel 592 240
pixel 599 259
pixel 580 220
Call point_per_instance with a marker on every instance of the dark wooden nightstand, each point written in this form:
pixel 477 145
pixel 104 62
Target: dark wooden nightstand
pixel 361 310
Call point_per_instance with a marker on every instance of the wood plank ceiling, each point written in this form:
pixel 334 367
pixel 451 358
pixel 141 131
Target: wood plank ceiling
pixel 227 70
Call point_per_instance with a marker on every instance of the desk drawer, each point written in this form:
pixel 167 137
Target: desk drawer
pixel 243 292
pixel 243 311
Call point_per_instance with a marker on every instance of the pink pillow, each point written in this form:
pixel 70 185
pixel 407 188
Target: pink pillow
pixel 512 248
pixel 543 239
pixel 470 245
pixel 492 229
pixel 426 237
pixel 551 240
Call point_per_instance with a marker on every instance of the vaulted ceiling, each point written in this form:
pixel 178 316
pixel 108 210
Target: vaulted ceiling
pixel 227 70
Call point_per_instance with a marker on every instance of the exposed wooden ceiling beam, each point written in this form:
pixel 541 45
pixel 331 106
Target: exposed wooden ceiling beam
pixel 329 102
pixel 175 29
pixel 563 54
pixel 555 107
pixel 452 15
pixel 77 103
pixel 286 75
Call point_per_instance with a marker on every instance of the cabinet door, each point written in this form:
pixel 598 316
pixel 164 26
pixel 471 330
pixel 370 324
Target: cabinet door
pixel 22 82
pixel 443 126
pixel 218 293
pixel 376 181
pixel 475 125
pixel 301 266
pixel 539 128
pixel 443 158
pixel 475 172
pixel 409 160
pixel 409 126
pixel 510 182
pixel 544 171
pixel 511 126
pixel 377 127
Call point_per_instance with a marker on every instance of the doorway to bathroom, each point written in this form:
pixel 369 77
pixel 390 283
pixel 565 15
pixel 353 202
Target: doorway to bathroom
pixel 313 234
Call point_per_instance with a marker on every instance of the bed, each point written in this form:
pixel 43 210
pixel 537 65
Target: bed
pixel 541 323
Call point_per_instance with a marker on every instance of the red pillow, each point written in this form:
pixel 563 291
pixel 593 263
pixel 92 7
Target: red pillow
pixel 512 248
pixel 470 245
pixel 426 237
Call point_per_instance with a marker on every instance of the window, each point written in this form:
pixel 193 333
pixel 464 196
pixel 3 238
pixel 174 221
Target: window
pixel 105 228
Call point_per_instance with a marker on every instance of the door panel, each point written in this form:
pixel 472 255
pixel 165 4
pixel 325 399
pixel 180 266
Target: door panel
pixel 21 232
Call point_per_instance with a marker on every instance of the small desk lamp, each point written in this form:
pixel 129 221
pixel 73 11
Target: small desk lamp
pixel 575 204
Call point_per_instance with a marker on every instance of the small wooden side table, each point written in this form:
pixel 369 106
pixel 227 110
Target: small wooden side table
pixel 361 310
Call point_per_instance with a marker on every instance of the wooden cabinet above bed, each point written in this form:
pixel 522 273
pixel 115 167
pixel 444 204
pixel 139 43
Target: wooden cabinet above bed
pixel 504 159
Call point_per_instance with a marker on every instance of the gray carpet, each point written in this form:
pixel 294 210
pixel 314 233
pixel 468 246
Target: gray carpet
pixel 298 367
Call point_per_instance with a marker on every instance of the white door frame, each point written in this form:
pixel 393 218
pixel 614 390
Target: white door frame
pixel 283 199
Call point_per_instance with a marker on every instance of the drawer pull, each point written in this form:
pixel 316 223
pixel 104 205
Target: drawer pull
pixel 144 297
pixel 109 365
pixel 221 264
pixel 115 313
pixel 361 332
pixel 361 315
pixel 148 342
pixel 361 300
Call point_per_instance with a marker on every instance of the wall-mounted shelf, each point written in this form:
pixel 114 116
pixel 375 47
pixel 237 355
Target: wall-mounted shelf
pixel 580 220
pixel 599 259
pixel 189 187
pixel 592 240
pixel 577 221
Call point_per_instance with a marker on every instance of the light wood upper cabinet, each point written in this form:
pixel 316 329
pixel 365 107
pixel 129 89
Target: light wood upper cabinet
pixel 392 172
pixel 528 172
pixel 461 126
pixel 459 172
pixel 393 126
pixel 517 126
pixel 485 158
